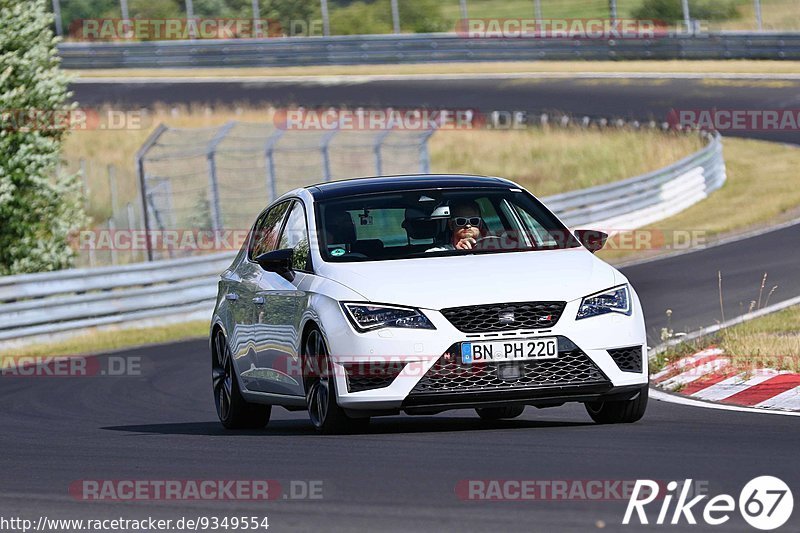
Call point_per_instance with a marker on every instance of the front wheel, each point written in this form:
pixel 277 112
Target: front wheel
pixel 323 410
pixel 619 412
pixel 232 409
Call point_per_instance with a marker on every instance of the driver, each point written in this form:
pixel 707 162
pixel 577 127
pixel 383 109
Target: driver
pixel 466 226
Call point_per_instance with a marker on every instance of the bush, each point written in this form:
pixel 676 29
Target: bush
pixel 419 16
pixel 39 208
pixel 671 10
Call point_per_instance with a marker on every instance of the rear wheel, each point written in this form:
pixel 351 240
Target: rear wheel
pixel 619 412
pixel 233 411
pixel 323 410
pixel 497 413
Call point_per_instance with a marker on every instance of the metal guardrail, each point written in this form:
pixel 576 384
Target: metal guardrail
pixel 419 48
pixel 644 199
pixel 70 300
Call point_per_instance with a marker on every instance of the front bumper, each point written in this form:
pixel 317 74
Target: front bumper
pixel 416 355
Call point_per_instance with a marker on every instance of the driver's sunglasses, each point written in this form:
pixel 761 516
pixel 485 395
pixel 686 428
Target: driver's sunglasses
pixel 463 221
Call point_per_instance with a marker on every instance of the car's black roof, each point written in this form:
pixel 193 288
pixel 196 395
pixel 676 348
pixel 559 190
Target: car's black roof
pixel 339 189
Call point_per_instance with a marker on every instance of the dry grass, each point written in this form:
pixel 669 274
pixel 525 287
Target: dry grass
pixel 553 160
pixel 773 340
pixel 761 190
pixel 107 340
pixel 556 67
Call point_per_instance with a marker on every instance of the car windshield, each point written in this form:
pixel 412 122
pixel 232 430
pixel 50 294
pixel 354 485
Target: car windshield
pixel 421 223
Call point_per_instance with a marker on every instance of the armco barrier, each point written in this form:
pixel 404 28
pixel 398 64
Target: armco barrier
pixel 419 48
pixel 35 305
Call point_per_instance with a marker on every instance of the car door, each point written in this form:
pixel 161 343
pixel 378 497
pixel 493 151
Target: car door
pixel 264 238
pixel 278 309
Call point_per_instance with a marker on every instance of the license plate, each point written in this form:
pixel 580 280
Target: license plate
pixel 509 350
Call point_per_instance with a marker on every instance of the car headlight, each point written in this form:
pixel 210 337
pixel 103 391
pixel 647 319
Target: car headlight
pixel 616 300
pixel 366 317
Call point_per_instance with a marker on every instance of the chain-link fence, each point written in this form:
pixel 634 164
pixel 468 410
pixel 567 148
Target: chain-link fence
pixel 222 177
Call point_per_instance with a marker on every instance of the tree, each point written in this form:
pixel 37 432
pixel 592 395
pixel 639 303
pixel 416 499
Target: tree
pixel 39 208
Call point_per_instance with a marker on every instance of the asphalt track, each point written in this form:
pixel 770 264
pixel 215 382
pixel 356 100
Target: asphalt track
pixel 634 99
pixel 401 474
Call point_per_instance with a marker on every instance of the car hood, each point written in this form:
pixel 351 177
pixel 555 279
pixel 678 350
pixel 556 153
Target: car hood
pixel 441 282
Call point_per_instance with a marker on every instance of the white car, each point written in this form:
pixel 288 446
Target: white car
pixel 420 294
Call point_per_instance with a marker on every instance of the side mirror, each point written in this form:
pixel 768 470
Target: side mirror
pixel 278 261
pixel 593 240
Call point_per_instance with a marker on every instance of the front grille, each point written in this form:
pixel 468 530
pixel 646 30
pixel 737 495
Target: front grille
pixel 371 375
pixel 627 359
pixel 503 317
pixel 572 367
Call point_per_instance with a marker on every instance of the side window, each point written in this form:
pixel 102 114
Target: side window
pixel 535 229
pixel 295 236
pixel 490 216
pixel 265 234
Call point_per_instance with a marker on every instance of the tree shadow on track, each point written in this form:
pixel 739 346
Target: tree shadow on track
pixel 382 426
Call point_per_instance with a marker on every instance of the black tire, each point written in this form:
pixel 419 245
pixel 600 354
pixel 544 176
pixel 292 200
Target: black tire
pixel 232 409
pixel 498 413
pixel 619 412
pixel 323 409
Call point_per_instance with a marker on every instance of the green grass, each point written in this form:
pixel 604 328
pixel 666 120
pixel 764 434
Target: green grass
pixel 94 342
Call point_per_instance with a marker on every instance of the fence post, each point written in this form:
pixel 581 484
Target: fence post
pixel 57 13
pixel 112 226
pixel 326 22
pixel 132 228
pixel 190 16
pixel 256 20
pixel 612 10
pixel 537 9
pixel 140 155
pixel 759 20
pixel 376 148
pixel 112 189
pixel 324 144
pixel 424 156
pixel 462 4
pixel 395 17
pixel 269 153
pixel 213 182
pixel 687 19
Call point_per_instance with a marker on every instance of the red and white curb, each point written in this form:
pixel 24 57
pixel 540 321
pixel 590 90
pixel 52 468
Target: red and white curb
pixel 709 375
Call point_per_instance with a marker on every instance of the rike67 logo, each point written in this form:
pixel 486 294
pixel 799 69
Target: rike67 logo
pixel 765 503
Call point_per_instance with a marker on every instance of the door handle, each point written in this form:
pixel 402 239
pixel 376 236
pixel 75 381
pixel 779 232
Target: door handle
pixel 258 300
pixel 232 296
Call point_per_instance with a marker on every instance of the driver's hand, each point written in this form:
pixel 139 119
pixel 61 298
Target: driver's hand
pixel 466 244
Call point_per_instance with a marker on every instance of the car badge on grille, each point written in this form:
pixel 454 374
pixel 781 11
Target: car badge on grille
pixel 506 317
